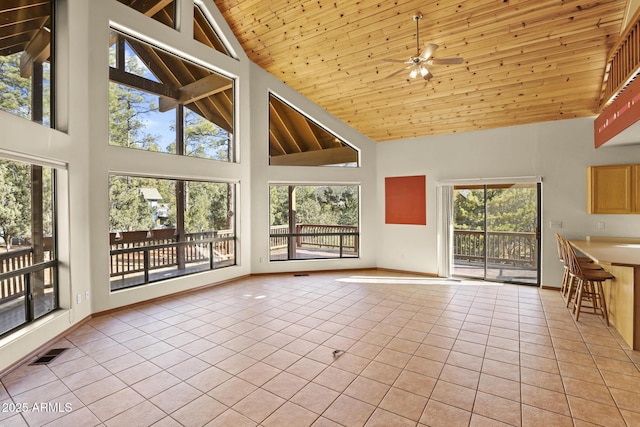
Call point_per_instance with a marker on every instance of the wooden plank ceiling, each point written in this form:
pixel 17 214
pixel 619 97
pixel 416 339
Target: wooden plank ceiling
pixel 524 61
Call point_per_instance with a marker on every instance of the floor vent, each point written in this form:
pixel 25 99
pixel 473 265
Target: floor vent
pixel 49 356
pixel 300 275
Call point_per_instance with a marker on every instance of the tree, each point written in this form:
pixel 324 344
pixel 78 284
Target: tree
pixel 16 90
pixel 15 200
pixel 128 210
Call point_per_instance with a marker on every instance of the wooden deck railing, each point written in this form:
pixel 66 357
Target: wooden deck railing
pixel 142 251
pixel 14 285
pixel 344 238
pixel 503 247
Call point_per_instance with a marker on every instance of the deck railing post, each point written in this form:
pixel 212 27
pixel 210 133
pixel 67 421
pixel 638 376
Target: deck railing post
pixel 146 265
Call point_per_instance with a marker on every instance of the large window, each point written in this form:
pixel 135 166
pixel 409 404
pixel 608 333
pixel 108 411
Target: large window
pixel 162 228
pixel 160 102
pixel 313 221
pixel 26 59
pixel 28 263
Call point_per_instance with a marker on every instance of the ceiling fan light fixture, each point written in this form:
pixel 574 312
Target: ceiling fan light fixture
pixel 415 71
pixel 423 71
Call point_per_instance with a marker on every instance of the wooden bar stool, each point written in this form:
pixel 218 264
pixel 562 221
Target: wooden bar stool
pixel 589 287
pixel 568 279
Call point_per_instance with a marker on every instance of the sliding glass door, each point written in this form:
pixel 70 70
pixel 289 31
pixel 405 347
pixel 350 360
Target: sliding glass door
pixel 496 232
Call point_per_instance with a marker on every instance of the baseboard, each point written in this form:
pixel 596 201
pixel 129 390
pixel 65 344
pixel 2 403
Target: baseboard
pixel 549 288
pixel 416 273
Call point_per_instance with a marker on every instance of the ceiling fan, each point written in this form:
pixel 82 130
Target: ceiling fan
pixel 418 64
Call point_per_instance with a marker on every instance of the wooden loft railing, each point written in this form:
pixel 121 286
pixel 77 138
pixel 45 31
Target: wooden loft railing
pixel 623 62
pixel 620 98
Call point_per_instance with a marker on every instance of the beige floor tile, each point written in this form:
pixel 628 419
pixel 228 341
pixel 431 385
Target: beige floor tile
pixel 632 418
pixel 99 389
pixel 499 387
pixel 155 384
pixel 382 418
pixel 199 411
pixel 588 390
pixel 594 412
pixel 438 414
pixel 545 399
pixel 138 372
pixel 349 411
pixel 502 355
pixel 461 376
pixel 236 363
pixel 584 373
pixel 259 373
pixel 232 391
pixel 501 369
pixel 175 397
pixel 315 397
pixel 393 357
pixel 498 408
pixel 626 399
pixel 306 368
pixel 350 362
pixel 335 379
pixel 381 372
pixel 285 385
pixel 541 379
pixel 290 414
pixel 465 360
pixel 80 417
pixel 116 403
pixel 208 379
pixel 482 421
pixel 281 359
pixel 367 390
pixel 231 418
pixel 366 350
pixel 455 395
pixel 143 414
pixel 424 366
pixel 535 416
pixel 188 368
pixel 258 405
pixel 415 383
pixel 404 403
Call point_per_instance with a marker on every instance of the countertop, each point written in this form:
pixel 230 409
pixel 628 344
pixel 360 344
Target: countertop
pixel 615 253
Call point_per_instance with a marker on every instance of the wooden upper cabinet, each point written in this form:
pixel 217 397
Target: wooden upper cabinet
pixel 611 189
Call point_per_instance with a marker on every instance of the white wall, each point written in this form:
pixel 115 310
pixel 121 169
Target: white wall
pixel 81 146
pixel 262 83
pixel 558 151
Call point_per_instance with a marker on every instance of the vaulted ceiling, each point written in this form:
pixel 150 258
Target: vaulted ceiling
pixel 525 61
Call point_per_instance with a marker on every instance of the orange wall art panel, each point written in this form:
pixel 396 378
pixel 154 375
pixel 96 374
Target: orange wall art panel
pixel 405 200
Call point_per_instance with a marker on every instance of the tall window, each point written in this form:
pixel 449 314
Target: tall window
pixel 310 222
pixel 159 102
pixel 26 59
pixel 28 262
pixel 162 228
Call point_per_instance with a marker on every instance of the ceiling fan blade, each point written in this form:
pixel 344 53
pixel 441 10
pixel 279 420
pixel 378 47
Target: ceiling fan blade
pixel 428 76
pixel 428 51
pixel 446 61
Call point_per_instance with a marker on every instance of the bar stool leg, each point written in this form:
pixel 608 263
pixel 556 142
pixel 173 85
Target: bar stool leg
pixel 570 291
pixel 603 304
pixel 578 301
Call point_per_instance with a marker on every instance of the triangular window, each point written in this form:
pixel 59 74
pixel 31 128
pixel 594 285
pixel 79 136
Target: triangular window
pixel 296 140
pixel 163 11
pixel 205 33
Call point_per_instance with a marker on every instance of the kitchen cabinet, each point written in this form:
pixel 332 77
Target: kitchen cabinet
pixel 613 189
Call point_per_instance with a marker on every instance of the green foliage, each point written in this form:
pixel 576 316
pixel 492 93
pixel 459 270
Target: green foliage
pixel 15 90
pixel 207 207
pixel 508 209
pixel 203 138
pixel 15 200
pixel 324 205
pixel 128 210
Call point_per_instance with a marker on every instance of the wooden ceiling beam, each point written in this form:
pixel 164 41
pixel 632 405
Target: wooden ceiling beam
pixel 322 157
pixel 37 51
pixel 206 86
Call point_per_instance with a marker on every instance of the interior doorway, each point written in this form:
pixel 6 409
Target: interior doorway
pixel 496 232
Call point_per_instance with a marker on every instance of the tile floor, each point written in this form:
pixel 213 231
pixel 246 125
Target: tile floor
pixel 260 352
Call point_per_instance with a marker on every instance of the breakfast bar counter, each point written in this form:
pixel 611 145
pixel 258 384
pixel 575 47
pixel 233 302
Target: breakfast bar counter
pixel 620 257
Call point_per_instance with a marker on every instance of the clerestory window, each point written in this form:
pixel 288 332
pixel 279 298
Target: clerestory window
pixel 160 102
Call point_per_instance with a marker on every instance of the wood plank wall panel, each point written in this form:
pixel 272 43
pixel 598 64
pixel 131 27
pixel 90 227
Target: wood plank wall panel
pixel 525 61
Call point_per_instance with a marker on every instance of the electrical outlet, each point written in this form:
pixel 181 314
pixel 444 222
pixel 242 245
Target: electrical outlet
pixel 79 298
pixel 601 225
pixel 86 295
